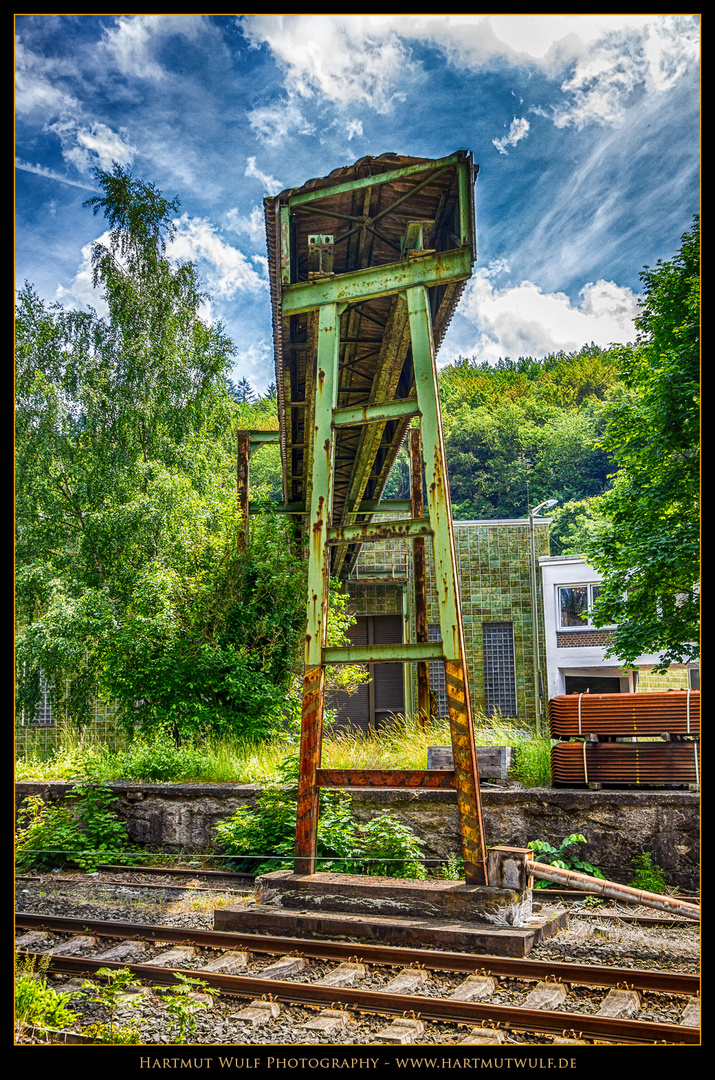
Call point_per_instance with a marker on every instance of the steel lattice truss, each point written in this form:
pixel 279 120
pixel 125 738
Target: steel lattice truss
pixel 367 266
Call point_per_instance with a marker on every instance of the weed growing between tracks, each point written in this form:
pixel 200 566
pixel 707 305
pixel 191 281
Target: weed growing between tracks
pixel 36 1003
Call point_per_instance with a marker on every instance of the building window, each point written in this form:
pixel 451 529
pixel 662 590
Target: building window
pixel 575 601
pixel 43 717
pixel 375 704
pixel 499 669
pixel 437 678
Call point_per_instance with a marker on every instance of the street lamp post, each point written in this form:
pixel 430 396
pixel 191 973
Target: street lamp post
pixel 538 681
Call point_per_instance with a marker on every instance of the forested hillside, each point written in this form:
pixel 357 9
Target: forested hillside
pixel 516 433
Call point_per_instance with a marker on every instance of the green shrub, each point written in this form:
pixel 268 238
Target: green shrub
pixel 181 1004
pixel 563 858
pixel 649 876
pixel 452 869
pixel 159 760
pixel 86 832
pixel 264 840
pixel 388 847
pixel 37 1004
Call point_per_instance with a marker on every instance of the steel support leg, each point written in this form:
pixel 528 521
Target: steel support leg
pixel 242 473
pixel 420 583
pixel 326 384
pixel 450 615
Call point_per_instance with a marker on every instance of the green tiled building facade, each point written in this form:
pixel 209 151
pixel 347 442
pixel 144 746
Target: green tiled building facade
pixel 493 560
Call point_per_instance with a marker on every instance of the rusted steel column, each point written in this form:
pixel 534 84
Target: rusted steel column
pixel 420 573
pixel 326 384
pixel 242 470
pixel 311 736
pixel 450 614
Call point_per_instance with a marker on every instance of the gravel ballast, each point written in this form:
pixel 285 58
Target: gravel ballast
pixel 609 942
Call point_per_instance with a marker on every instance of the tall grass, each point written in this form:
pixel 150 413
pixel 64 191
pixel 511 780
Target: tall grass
pixel 401 745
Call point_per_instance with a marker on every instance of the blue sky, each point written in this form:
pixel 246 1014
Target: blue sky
pixel 585 128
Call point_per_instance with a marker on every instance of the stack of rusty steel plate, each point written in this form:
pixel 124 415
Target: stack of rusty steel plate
pixel 637 715
pixel 602 723
pixel 615 764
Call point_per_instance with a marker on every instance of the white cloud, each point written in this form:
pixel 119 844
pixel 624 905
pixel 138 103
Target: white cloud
pixel 353 127
pixel 129 42
pixel 86 146
pixel 522 320
pixel 518 129
pixel 362 59
pixel 343 58
pixel 262 261
pixel 281 120
pixel 81 291
pixel 50 174
pixel 85 143
pixel 227 269
pixel 602 82
pixel 271 186
pixel 253 224
pixel 256 363
pixel 35 92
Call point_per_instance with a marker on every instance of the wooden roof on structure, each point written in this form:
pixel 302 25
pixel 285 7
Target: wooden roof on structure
pixel 368 222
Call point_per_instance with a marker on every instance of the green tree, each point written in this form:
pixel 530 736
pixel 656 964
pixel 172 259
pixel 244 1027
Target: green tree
pixel 242 392
pixel 648 552
pixel 128 580
pixel 518 432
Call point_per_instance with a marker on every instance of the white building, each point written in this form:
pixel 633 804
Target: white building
pixel 576 651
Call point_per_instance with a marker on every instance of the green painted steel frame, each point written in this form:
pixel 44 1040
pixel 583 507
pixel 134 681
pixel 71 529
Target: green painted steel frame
pixel 373 281
pixel 383 654
pixel 328 295
pixel 461 161
pixel 380 530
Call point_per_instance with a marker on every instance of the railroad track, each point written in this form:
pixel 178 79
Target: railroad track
pixel 228 882
pixel 409 986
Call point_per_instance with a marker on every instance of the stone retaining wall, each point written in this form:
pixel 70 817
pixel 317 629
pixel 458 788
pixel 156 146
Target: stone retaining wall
pixel 618 824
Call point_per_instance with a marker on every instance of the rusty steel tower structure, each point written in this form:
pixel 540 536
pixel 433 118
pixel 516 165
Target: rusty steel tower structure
pixel 366 269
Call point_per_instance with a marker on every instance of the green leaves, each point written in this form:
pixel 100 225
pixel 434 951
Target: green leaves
pixel 185 997
pixel 38 1005
pixel 562 857
pixel 85 831
pixel 648 547
pixel 523 431
pixel 264 840
pixel 128 580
